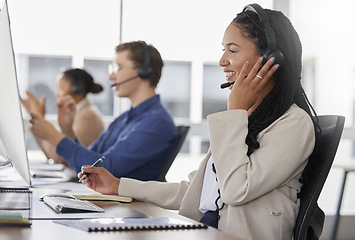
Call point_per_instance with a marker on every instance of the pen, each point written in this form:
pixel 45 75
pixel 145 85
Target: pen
pixel 96 164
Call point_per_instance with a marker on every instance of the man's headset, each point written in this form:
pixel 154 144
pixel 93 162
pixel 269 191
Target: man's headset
pixel 272 50
pixel 145 71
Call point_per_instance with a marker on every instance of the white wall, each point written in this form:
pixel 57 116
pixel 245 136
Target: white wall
pixel 326 30
pixel 65 27
pixel 182 29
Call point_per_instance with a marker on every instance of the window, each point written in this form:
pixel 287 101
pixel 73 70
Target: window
pixel 214 98
pixel 174 88
pixel 39 73
pixel 103 100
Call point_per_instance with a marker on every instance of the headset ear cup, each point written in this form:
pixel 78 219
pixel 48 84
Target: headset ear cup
pixel 145 72
pixel 270 35
pixel 76 89
pixel 277 54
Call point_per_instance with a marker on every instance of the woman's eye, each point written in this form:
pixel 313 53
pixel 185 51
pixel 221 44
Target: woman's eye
pixel 229 50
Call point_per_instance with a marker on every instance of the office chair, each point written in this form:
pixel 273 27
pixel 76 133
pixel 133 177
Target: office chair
pixel 182 132
pixel 310 219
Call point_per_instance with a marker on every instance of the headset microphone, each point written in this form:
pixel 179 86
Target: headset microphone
pixel 226 84
pixel 127 80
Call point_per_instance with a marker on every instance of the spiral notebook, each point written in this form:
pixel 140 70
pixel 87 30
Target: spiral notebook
pixel 129 224
pixel 15 206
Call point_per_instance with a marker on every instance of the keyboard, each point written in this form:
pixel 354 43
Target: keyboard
pixel 70 205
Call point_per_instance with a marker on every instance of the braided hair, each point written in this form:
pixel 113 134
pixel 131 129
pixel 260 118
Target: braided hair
pixel 288 89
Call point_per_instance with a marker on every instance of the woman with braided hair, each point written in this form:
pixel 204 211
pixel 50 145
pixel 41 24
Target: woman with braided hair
pixel 76 84
pixel 248 183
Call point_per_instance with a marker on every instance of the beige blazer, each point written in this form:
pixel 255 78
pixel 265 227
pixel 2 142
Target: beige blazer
pixel 259 192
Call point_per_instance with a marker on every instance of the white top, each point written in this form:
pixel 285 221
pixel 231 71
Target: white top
pixel 209 192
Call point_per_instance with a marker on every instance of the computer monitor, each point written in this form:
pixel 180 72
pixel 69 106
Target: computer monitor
pixel 12 133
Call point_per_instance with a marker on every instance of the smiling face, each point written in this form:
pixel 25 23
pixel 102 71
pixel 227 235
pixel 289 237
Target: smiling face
pixel 237 50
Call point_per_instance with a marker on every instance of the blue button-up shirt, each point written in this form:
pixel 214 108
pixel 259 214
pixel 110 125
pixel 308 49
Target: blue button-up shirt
pixel 136 144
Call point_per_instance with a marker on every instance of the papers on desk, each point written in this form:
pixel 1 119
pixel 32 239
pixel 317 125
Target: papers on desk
pixel 45 170
pixel 127 224
pixel 43 174
pixel 46 167
pixel 95 196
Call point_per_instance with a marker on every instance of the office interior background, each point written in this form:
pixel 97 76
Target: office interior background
pixel 49 36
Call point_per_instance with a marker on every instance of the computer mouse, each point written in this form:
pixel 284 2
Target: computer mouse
pixel 66 195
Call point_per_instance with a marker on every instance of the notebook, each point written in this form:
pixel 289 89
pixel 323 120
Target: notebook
pixel 15 206
pixel 95 196
pixel 129 224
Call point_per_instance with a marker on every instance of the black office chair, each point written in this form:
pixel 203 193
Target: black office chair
pixel 310 219
pixel 182 132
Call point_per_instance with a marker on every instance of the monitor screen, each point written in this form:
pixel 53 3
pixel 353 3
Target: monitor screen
pixel 11 122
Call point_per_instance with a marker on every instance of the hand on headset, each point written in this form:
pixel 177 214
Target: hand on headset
pixel 248 85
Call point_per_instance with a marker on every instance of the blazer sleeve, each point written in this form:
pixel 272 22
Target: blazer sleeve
pixel 284 149
pixel 164 194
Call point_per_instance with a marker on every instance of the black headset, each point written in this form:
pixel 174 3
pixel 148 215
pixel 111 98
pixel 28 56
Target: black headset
pixel 272 50
pixel 76 87
pixel 145 71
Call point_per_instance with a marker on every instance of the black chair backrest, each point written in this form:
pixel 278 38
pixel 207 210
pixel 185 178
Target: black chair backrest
pixel 182 132
pixel 310 219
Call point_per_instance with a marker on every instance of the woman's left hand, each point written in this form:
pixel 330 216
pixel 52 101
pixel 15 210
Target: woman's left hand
pixel 247 87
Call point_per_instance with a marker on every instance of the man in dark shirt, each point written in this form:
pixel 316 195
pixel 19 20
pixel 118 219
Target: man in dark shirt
pixel 139 141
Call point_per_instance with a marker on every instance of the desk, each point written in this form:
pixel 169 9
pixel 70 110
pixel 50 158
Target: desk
pixel 47 229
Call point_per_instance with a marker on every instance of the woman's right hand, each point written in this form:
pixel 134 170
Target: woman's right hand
pixel 100 180
pixel 32 105
pixel 249 84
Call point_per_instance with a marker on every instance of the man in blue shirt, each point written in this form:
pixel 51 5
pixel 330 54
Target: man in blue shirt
pixel 138 142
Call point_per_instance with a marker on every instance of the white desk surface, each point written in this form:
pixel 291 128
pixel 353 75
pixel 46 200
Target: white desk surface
pixel 43 228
